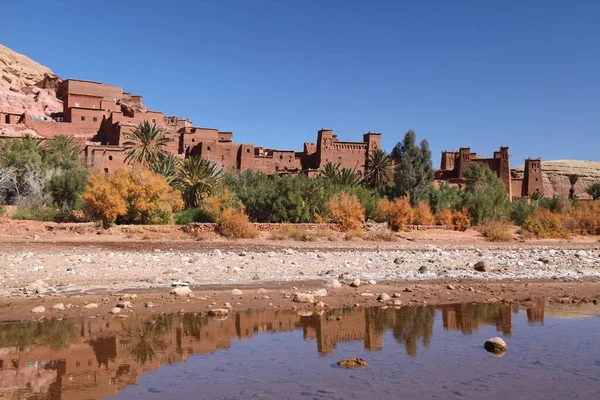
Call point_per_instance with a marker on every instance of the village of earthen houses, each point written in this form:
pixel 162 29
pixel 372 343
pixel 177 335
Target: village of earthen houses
pixel 99 116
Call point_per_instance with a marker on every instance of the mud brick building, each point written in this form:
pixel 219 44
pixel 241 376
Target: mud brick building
pixel 99 116
pixel 518 184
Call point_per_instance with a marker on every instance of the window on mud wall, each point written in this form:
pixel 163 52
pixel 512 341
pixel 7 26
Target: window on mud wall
pixel 106 170
pixel 110 158
pixel 95 119
pixel 83 117
pixel 153 120
pixel 7 119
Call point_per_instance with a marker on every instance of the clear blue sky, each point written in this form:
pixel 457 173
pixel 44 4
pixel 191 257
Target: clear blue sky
pixel 460 73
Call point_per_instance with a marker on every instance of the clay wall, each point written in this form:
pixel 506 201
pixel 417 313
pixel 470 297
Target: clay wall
pixel 105 158
pixel 110 106
pixel 225 137
pixel 50 129
pixel 532 180
pixel 350 155
pixel 85 117
pixel 225 155
pixel 81 100
pixel 517 187
pixel 154 117
pixel 73 86
pixel 10 118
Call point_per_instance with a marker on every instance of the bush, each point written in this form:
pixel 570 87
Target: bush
pixel 45 214
pixel 135 196
pixel 543 223
pixel 520 209
pixel 422 215
pixel 496 231
pixel 584 218
pixel 460 220
pixel 65 187
pixel 443 217
pixel 214 205
pixel 397 213
pixel 346 211
pixel 235 224
pixel 190 216
pixel 485 194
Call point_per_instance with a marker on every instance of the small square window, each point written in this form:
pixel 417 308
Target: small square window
pixel 247 150
pixel 106 170
pixel 95 119
pixel 208 148
pixel 110 158
pixel 153 120
pixel 193 140
pixel 83 117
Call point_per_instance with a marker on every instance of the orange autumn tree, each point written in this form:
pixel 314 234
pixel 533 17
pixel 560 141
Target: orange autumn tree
pixel 345 210
pixel 135 196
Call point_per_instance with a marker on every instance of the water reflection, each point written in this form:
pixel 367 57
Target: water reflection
pixel 97 357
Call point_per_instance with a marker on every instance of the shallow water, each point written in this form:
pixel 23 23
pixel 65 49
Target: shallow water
pixel 413 352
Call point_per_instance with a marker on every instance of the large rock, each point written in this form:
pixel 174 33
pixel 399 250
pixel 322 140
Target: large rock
pixel 320 293
pixel 355 283
pixel 237 292
pixel 495 345
pixel 353 362
pixel 38 309
pixel 303 298
pixel 182 291
pixel 483 266
pixel 555 175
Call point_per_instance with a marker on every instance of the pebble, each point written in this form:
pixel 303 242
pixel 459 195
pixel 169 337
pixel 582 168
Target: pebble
pixel 114 310
pixel 38 309
pixel 303 298
pixel 495 345
pixel 261 291
pixel 149 304
pixel 482 266
pixel 218 312
pixel 367 294
pixel 182 291
pixel 398 261
pixel 423 269
pixel 237 292
pixel 372 282
pixel 383 297
pixel 217 253
pixel 355 283
pixel 320 293
pixel 91 305
pixel 124 304
pixel 450 287
pixel 58 306
pixel 334 283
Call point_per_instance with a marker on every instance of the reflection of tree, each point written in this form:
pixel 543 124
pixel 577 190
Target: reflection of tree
pixel 409 324
pixel 145 337
pixel 54 334
pixel 468 317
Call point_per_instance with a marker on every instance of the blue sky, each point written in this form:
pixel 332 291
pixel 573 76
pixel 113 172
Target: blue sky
pixel 525 74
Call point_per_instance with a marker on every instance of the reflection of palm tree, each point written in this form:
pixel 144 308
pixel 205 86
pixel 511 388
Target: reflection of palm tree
pixel 411 324
pixel 147 339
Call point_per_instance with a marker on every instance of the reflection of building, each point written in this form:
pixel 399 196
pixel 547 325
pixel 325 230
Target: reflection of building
pixel 95 358
pixel 469 317
pixel 535 312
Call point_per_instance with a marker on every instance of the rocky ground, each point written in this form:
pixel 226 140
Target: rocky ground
pixel 194 276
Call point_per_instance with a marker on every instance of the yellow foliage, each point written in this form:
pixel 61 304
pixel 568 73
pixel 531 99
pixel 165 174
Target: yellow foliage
pixel 496 231
pixel 235 224
pixel 214 205
pixel 422 215
pixel 135 196
pixel 346 211
pixel 397 213
pixel 443 217
pixel 544 223
pixel 460 220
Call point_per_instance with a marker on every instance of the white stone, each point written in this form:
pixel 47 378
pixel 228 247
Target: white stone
pixel 39 309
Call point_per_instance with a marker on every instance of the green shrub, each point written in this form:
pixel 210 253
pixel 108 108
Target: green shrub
pixel 520 209
pixel 191 215
pixel 45 214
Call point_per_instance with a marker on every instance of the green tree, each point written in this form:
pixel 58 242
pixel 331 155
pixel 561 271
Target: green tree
pixel 520 209
pixel 198 177
pixel 379 171
pixel 62 152
pixel 414 169
pixel 23 155
pixel 593 190
pixel 573 178
pixel 485 194
pixel 66 186
pixel 146 142
pixel 445 196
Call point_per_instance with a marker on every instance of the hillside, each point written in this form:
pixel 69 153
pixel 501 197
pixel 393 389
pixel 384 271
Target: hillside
pixel 556 176
pixel 26 85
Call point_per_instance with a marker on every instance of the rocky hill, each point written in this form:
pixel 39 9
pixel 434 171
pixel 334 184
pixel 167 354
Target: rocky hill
pixel 556 176
pixel 26 85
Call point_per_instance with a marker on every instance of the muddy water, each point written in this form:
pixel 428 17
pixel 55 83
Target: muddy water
pixel 412 352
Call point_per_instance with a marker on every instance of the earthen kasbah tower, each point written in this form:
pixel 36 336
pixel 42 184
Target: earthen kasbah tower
pixel 99 116
pixel 518 184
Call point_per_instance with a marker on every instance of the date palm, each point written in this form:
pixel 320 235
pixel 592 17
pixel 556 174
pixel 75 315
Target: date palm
pixel 340 176
pixel 168 165
pixel 197 178
pixel 379 171
pixel 146 142
pixel 62 151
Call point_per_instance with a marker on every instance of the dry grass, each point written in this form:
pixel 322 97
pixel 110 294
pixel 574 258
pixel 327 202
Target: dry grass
pixel 443 217
pixel 461 221
pixel 397 213
pixel 496 231
pixel 346 211
pixel 234 224
pixel 422 215
pixel 355 234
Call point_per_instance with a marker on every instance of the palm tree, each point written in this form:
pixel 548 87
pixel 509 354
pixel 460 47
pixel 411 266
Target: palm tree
pixel 573 178
pixel 168 165
pixel 147 142
pixel 379 170
pixel 198 177
pixel 593 190
pixel 62 151
pixel 342 177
